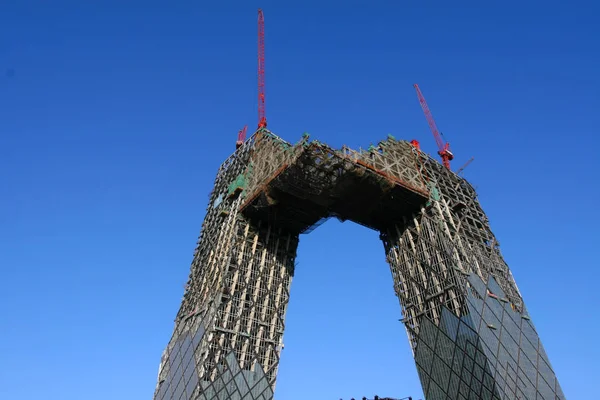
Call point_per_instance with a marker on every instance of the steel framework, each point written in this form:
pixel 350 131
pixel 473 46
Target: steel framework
pixel 467 324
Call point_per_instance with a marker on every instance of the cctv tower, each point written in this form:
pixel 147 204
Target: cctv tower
pixel 468 327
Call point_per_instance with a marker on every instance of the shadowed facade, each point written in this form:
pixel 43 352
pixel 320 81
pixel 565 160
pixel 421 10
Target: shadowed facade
pixel 469 330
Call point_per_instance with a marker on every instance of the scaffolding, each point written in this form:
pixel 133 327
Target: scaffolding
pixel 228 334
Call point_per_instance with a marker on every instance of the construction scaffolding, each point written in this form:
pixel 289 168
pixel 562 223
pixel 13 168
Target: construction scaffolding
pixel 466 321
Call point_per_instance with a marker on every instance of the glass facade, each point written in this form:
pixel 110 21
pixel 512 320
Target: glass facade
pixel 492 352
pixel 180 375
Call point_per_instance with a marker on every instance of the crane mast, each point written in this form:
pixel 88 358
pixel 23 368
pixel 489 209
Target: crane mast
pixel 443 148
pixel 262 120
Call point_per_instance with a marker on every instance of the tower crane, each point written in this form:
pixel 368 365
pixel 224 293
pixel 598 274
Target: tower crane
pixel 461 169
pixel 262 119
pixel 443 147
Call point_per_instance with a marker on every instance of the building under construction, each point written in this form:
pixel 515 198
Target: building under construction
pixel 468 327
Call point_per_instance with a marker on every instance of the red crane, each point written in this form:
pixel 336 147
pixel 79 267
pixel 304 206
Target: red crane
pixel 241 137
pixel 465 165
pixel 262 120
pixel 443 148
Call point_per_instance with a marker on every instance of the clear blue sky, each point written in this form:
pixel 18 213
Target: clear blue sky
pixel 114 119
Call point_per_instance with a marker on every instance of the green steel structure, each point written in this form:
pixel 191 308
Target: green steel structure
pixel 468 327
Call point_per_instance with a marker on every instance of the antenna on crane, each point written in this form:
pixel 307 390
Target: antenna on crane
pixel 443 147
pixel 262 119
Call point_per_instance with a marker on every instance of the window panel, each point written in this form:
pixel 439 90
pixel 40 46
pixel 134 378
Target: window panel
pixel 544 389
pixel 440 372
pixel 449 323
pixel 444 348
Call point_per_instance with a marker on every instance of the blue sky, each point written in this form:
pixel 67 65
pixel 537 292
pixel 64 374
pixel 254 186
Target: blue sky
pixel 114 118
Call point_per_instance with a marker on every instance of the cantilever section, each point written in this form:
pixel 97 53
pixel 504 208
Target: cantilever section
pixel 295 186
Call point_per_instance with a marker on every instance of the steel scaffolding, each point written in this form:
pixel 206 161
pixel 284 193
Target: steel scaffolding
pixel 468 327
